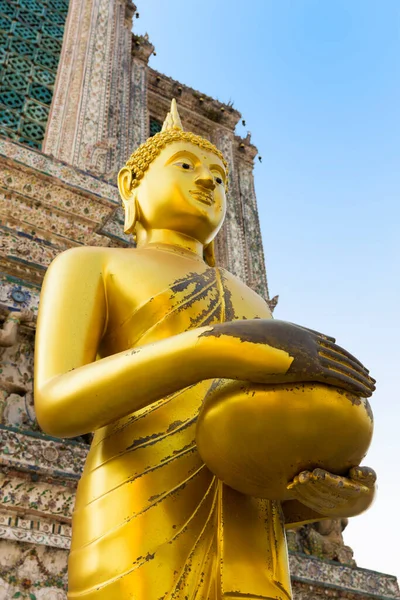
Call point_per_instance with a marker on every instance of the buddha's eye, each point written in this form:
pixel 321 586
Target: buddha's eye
pixel 218 179
pixel 184 165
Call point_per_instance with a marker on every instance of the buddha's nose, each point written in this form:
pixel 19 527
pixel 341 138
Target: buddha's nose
pixel 206 179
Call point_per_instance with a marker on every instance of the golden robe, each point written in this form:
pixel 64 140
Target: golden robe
pixel 151 521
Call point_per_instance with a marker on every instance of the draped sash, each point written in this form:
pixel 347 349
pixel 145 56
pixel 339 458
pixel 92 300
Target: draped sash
pixel 151 521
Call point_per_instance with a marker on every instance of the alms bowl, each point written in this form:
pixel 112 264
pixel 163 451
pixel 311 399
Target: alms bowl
pixel 256 438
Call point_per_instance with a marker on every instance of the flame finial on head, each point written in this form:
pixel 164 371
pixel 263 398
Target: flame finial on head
pixel 173 120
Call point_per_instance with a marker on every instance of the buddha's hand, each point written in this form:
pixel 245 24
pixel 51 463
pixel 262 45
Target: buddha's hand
pixel 322 358
pixel 334 496
pixel 23 316
pixel 315 356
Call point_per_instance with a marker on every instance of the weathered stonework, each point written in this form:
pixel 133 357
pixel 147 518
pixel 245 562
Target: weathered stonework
pixel 138 111
pixel 64 173
pixel 64 197
pixel 232 239
pixel 314 578
pixel 252 244
pixel 47 207
pixel 38 453
pixel 34 571
pixel 89 120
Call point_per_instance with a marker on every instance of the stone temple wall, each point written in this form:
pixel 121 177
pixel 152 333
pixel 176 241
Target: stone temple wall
pixel 65 196
pixel 46 206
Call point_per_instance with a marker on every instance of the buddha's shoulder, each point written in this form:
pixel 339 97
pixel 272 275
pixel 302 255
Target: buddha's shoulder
pixel 135 262
pixel 79 256
pixel 245 301
pixel 82 262
pixel 234 283
pixel 87 255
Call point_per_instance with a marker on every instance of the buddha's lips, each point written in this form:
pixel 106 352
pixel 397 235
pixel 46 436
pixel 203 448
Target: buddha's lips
pixel 202 197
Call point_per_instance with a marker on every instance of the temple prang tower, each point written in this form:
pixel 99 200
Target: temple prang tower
pixel 77 95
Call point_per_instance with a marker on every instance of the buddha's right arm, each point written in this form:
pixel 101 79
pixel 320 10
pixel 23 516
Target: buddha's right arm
pixel 76 394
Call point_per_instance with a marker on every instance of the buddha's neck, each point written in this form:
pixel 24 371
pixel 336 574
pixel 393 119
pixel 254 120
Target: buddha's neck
pixel 168 238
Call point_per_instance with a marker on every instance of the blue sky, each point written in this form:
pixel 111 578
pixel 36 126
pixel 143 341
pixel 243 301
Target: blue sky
pixel 319 87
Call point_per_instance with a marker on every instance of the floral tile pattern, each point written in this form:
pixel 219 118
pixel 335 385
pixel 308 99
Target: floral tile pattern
pixel 32 451
pixel 63 172
pixel 328 574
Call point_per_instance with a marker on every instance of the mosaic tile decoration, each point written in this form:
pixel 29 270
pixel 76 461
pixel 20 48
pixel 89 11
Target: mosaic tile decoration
pixel 39 453
pixel 32 572
pixel 311 570
pixel 154 126
pixel 56 168
pixel 31 34
pixel 18 295
pixel 39 571
pixel 34 531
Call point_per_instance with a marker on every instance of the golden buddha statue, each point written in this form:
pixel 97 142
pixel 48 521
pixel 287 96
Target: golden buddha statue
pixel 133 344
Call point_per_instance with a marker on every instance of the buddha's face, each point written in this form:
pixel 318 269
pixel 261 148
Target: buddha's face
pixel 183 190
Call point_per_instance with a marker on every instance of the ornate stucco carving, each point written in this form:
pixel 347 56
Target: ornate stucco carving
pixel 89 111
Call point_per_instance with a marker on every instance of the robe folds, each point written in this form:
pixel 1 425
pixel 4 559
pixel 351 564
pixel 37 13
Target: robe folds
pixel 151 521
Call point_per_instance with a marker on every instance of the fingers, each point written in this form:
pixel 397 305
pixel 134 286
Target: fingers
pixel 341 358
pixel 26 316
pixel 363 475
pixel 341 380
pixel 343 485
pixel 338 367
pixel 354 376
pixel 334 347
pixel 343 366
pixel 306 490
pixel 322 490
pixel 313 500
pixel 341 362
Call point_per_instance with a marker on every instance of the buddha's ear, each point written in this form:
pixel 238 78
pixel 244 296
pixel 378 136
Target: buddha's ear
pixel 130 216
pixel 209 254
pixel 125 178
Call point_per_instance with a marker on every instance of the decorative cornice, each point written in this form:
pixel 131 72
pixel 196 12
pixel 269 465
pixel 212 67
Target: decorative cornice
pixel 130 9
pixel 33 531
pixel 14 154
pixel 142 48
pixel 47 207
pixel 38 453
pixel 244 149
pixel 335 576
pixel 202 106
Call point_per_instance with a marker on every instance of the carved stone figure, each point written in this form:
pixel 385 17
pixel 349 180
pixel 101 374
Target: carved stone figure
pixel 323 539
pixel 9 331
pixel 16 397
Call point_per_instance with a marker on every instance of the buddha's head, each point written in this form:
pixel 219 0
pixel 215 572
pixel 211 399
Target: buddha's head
pixel 175 181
